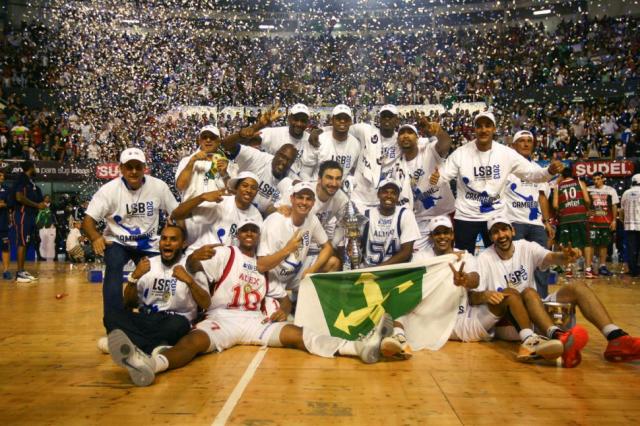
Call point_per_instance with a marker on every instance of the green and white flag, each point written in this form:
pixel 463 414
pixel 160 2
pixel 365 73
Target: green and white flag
pixel 349 304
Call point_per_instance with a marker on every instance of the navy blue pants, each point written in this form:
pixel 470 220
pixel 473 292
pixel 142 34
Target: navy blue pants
pixel 115 257
pixel 633 248
pixel 466 233
pixel 148 330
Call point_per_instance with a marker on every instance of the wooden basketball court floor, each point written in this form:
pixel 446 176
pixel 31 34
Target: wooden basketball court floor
pixel 52 373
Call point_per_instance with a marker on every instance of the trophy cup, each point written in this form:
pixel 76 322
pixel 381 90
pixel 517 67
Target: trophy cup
pixel 352 222
pixel 562 314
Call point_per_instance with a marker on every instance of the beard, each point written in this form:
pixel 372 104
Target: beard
pixel 172 260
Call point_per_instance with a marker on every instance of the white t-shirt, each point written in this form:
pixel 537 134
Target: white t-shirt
pixel 386 234
pixel 327 212
pixel 219 221
pixel 470 265
pixel 73 238
pixel 344 152
pixel 522 201
pixel 237 283
pixel 273 138
pixel 376 154
pixel 160 291
pixel 269 187
pixel 277 230
pixel 201 180
pixel 482 178
pixel 497 274
pixel 427 201
pixel 631 207
pixel 132 216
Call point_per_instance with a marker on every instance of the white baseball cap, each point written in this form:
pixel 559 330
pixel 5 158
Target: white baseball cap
pixel 497 219
pixel 521 134
pixel 388 181
pixel 485 114
pixel 209 128
pixel 301 186
pixel 248 221
pixel 300 109
pixel 408 126
pixel 440 221
pixel 391 108
pixel 636 179
pixel 132 154
pixel 234 181
pixel 342 109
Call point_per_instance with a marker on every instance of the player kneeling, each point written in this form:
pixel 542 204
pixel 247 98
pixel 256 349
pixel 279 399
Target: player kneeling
pixel 235 316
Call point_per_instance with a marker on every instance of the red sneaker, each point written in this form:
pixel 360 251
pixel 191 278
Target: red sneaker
pixel 568 273
pixel 624 348
pixel 588 273
pixel 573 340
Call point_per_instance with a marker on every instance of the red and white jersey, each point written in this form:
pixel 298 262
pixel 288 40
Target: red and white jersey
pixel 237 284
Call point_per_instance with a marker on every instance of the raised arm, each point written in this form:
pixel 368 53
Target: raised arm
pixel 185 208
pixel 201 296
pixel 443 146
pixel 231 142
pixel 183 179
pixel 267 263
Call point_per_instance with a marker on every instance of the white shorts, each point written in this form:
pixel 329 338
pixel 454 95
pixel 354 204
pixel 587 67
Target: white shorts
pixel 475 325
pixel 293 282
pixel 227 328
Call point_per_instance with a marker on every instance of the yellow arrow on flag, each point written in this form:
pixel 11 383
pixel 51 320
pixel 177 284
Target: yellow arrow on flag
pixel 374 298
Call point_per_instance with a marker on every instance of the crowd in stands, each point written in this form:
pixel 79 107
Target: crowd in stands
pixel 113 85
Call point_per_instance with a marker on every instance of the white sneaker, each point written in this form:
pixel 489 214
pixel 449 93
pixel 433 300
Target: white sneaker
pixel 396 347
pixel 159 349
pixel 23 278
pixel 536 347
pixel 103 344
pixel 33 277
pixel 369 348
pixel 124 353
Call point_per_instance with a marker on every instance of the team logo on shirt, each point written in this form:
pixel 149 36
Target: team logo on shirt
pixel 486 201
pixel 517 277
pixel 143 240
pixel 527 203
pixel 267 191
pixel 139 209
pixel 343 160
pixel 487 172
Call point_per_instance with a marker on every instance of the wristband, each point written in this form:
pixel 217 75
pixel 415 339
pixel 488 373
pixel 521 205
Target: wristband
pixel 131 280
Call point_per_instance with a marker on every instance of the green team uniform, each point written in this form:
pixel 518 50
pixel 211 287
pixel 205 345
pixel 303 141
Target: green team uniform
pixel 572 213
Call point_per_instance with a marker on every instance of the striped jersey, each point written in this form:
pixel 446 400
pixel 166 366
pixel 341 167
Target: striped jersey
pixel 572 206
pixel 602 202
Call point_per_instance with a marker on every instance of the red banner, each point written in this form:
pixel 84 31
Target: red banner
pixel 112 170
pixel 620 168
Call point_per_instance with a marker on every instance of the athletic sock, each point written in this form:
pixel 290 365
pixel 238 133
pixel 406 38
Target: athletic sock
pixel 348 349
pixel 525 333
pixel 161 363
pixel 552 331
pixel 612 331
pixel 398 330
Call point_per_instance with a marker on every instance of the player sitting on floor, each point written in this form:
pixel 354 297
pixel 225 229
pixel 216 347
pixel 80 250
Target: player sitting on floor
pixel 235 316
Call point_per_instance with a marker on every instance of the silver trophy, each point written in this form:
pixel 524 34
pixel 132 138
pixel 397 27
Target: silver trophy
pixel 352 222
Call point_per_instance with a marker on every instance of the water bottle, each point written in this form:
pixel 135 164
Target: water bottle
pixel 579 267
pixel 595 264
pixel 615 261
